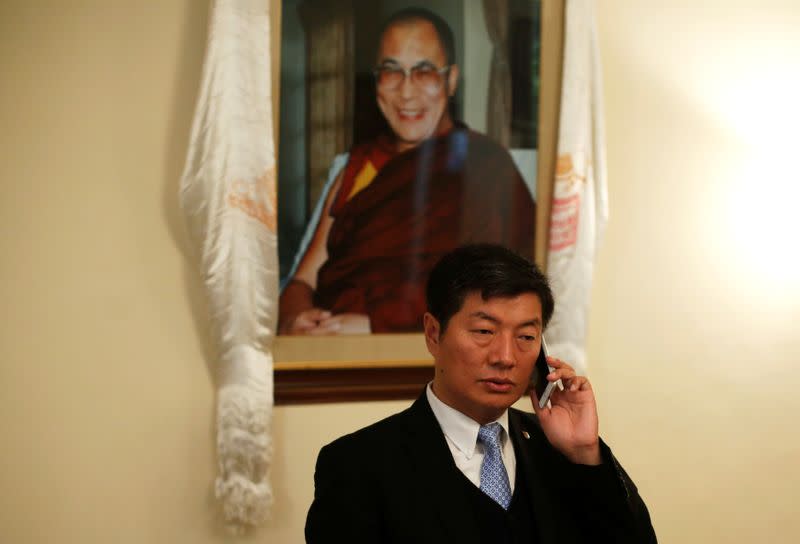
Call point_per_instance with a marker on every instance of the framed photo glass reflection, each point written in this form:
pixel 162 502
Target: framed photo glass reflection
pixel 406 129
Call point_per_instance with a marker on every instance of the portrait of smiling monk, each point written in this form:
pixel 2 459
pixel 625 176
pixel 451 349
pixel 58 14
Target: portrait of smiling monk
pixel 460 465
pixel 405 198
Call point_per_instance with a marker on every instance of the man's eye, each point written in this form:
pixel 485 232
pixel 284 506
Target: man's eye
pixel 482 331
pixel 424 69
pixel 528 337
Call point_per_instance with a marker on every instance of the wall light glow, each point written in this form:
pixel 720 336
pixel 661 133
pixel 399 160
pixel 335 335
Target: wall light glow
pixel 760 103
pixel 764 219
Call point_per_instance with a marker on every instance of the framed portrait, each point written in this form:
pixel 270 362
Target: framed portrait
pixel 405 130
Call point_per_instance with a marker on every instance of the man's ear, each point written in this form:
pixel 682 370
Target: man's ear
pixel 452 79
pixel 432 332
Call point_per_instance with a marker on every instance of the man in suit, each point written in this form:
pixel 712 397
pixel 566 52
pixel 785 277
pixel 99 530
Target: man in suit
pixel 460 465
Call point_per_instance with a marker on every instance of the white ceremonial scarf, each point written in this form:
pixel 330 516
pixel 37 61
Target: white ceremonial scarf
pixel 580 196
pixel 229 201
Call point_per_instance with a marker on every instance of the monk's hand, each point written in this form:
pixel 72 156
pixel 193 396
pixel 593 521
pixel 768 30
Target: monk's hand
pixel 570 425
pixel 308 321
pixel 348 323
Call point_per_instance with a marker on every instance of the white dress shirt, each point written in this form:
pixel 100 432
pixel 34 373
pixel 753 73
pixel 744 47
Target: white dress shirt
pixel 461 433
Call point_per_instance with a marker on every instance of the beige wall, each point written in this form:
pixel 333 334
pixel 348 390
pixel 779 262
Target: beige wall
pixel 105 399
pixel 694 338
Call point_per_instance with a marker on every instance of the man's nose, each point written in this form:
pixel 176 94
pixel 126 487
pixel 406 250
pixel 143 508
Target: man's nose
pixel 407 87
pixel 503 349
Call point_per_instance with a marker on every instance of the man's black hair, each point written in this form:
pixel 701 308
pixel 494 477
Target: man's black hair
pixel 489 269
pixel 409 15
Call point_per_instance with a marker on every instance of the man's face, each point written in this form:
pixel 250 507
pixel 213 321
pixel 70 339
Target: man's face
pixel 415 112
pixel 485 357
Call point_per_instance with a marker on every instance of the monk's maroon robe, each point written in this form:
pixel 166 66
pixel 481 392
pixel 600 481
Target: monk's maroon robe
pixel 458 188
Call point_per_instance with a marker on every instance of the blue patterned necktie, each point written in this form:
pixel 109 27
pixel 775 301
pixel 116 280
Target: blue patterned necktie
pixel 494 478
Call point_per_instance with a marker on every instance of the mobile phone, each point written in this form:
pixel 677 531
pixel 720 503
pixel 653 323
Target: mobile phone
pixel 539 381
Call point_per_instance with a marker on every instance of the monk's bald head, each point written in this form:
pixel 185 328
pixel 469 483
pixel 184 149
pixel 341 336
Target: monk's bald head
pixel 412 16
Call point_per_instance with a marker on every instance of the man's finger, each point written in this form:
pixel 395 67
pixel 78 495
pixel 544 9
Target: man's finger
pixel 326 326
pixel 308 319
pixel 579 383
pixel 302 324
pixel 562 374
pixel 558 363
pixel 316 314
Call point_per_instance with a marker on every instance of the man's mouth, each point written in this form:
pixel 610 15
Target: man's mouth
pixel 410 115
pixel 498 385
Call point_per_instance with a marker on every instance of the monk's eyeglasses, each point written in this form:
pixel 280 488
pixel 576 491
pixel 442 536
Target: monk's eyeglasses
pixel 390 76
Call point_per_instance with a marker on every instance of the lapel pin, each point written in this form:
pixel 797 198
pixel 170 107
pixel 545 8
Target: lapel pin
pixel 526 435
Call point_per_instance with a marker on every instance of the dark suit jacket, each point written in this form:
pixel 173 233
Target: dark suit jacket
pixel 394 481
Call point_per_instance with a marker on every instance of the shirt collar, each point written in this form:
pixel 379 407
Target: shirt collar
pixel 461 429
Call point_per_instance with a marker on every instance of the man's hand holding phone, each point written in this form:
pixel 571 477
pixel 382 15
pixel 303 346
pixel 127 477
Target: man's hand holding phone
pixel 570 422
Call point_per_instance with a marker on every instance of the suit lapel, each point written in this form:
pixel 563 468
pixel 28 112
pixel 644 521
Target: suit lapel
pixel 437 473
pixel 529 446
